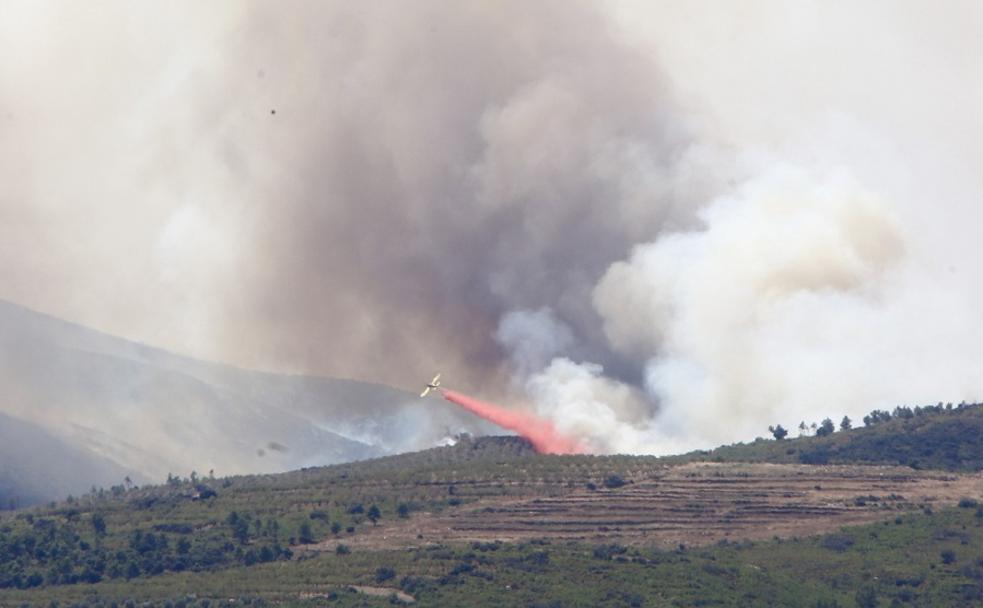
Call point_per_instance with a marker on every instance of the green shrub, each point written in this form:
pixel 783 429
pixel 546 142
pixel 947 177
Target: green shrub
pixel 384 574
pixel 613 481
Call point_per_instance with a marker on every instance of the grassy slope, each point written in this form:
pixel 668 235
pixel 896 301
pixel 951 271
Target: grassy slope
pixel 898 560
pixel 951 440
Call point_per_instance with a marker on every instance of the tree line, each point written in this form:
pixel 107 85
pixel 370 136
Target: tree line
pixel 875 417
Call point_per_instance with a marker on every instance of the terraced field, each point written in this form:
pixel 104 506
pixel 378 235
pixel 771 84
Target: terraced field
pixel 576 530
pixel 691 504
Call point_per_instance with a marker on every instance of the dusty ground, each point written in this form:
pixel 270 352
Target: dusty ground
pixel 373 591
pixel 693 504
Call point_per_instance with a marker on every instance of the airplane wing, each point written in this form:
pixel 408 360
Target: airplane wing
pixel 435 379
pixel 425 391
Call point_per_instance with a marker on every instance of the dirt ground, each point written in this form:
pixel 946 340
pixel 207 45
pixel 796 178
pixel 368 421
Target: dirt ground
pixel 373 591
pixel 692 504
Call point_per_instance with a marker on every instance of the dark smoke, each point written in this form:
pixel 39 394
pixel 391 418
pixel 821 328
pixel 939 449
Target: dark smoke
pixel 426 173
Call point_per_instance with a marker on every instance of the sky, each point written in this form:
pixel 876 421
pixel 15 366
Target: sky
pixel 663 225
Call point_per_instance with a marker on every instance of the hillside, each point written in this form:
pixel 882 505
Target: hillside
pixel 36 466
pixel 930 437
pixel 150 411
pixel 488 521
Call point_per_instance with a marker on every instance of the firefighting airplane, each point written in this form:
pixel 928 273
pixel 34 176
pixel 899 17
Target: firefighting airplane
pixel 432 385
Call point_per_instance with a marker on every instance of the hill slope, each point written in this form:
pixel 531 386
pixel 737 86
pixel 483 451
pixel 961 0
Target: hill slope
pixel 515 528
pixel 155 412
pixel 932 437
pixel 36 466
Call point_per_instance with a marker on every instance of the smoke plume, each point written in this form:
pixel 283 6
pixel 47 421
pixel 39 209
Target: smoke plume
pixel 657 226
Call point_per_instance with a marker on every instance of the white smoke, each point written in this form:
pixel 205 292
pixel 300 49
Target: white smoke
pixel 761 315
pixel 803 296
pixel 605 414
pixel 838 275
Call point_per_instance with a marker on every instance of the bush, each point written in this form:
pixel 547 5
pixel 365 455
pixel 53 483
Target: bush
pixel 866 597
pixel 461 568
pixel 819 455
pixel 538 558
pixel 384 574
pixel 305 536
pixel 411 584
pixel 609 551
pixel 968 503
pixel 342 550
pixel 374 514
pixel 948 556
pixel 613 481
pixel 837 542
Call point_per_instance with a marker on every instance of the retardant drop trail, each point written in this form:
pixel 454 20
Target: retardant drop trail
pixel 541 433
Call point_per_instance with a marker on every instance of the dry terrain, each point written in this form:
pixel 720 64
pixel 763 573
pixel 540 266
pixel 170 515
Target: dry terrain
pixel 692 504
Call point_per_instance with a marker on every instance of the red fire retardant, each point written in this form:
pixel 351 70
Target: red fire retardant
pixel 544 438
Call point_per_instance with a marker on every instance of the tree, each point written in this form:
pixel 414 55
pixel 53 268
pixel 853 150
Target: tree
pixel 403 510
pixel 132 570
pixel 866 597
pixel 306 536
pixel 99 524
pixel 825 428
pixel 374 514
pixel 778 431
pixel 903 412
pixel 240 530
pixel 335 528
pixel 846 424
pixel 803 429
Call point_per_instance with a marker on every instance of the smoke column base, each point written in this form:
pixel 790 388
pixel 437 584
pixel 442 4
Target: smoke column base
pixel 541 433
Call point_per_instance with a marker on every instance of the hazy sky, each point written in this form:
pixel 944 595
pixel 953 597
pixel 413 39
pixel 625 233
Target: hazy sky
pixel 745 213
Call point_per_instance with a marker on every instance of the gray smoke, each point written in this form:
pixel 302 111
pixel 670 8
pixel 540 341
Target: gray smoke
pixel 609 209
pixel 356 190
